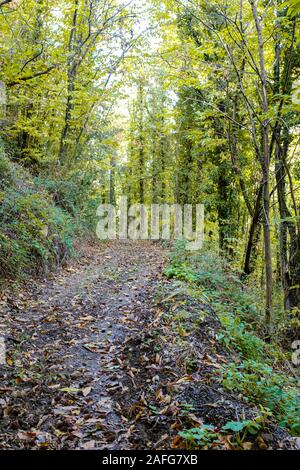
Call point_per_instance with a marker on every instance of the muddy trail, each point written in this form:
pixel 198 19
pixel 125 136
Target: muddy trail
pixel 95 359
pixel 64 341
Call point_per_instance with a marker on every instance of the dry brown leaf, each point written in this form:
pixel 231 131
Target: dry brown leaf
pixel 247 445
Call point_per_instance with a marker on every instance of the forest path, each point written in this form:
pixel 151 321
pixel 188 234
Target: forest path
pixel 65 337
pixel 108 353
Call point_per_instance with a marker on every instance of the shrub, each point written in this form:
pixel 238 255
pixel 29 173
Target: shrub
pixel 238 309
pixel 261 385
pixel 5 171
pixel 75 195
pixel 40 216
pixel 33 233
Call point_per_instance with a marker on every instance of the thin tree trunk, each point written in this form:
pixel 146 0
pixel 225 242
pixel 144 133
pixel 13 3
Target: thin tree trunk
pixel 71 79
pixel 289 252
pixel 265 165
pixel 112 192
pixel 254 235
pixel 141 154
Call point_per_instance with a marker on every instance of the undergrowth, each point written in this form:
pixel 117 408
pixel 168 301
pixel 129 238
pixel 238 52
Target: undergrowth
pixel 258 370
pixel 39 218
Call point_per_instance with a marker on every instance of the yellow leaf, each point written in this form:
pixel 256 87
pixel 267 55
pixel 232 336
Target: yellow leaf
pixel 247 445
pixel 9 361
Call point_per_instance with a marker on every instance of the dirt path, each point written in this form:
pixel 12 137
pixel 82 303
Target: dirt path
pixel 109 354
pixel 64 340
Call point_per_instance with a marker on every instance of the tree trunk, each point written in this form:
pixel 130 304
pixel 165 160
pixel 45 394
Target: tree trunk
pixel 265 165
pixel 71 79
pixel 289 230
pixel 254 235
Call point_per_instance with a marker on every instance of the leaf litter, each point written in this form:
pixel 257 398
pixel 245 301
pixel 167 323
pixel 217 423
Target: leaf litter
pixel 95 359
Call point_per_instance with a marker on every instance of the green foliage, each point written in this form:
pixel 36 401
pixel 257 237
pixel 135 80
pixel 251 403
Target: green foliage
pixel 75 195
pixel 237 307
pixel 227 294
pixel 236 335
pixel 261 385
pixel 237 426
pixel 293 7
pixel 203 436
pixel 207 436
pixel 34 233
pixel 234 305
pixel 180 271
pixel 5 171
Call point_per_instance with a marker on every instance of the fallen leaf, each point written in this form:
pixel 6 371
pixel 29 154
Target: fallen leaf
pixel 9 361
pixel 247 445
pixel 88 445
pixel 70 390
pixel 86 391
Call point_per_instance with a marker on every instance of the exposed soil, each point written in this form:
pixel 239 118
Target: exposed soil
pixel 94 362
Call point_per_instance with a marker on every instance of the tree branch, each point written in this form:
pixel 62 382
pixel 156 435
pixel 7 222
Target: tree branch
pixel 30 77
pixel 5 2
